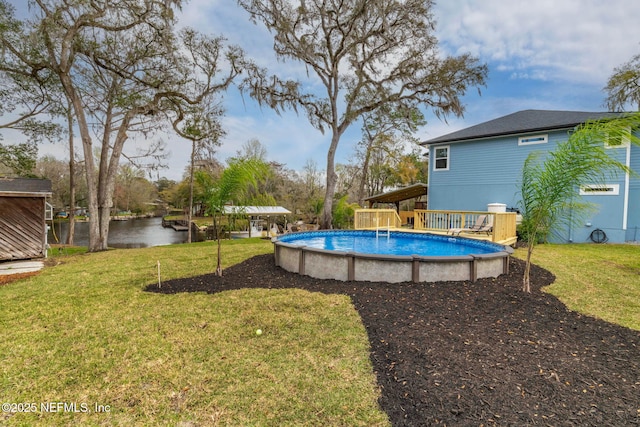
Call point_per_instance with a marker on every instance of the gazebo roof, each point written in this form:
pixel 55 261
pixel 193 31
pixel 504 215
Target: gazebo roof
pixel 410 192
pixel 256 210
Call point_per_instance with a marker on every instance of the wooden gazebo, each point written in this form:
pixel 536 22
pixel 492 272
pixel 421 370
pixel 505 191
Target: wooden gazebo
pixel 394 197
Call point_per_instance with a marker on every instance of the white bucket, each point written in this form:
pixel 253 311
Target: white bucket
pixel 496 208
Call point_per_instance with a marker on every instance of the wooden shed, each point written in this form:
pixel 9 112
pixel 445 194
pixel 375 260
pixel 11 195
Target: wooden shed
pixel 23 214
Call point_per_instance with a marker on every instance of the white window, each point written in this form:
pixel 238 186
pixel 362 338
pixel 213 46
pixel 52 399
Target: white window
pixel 441 161
pixel 600 190
pixel 618 141
pixel 533 139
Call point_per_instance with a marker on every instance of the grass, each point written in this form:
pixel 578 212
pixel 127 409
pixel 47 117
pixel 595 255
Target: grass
pixel 599 280
pixel 83 332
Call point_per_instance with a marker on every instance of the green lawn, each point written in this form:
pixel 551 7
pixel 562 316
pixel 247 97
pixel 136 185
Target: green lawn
pixel 83 333
pixel 599 280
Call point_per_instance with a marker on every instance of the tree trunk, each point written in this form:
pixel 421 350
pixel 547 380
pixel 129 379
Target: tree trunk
pixel 193 155
pixel 326 221
pixel 218 231
pixel 107 175
pixel 104 218
pixel 219 266
pixel 365 169
pixel 72 205
pixel 72 180
pixel 90 172
pixel 526 282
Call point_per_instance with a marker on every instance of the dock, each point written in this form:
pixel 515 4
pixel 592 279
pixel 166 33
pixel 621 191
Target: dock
pixel 176 224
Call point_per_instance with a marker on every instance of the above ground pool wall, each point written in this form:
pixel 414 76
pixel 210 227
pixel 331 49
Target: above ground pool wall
pixel 325 264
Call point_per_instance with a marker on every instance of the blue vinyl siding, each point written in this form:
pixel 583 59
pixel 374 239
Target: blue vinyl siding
pixel 483 172
pixel 489 171
pixel 633 224
pixel 608 213
pixel 608 216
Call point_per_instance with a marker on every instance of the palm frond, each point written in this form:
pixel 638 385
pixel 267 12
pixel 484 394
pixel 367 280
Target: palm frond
pixel 550 185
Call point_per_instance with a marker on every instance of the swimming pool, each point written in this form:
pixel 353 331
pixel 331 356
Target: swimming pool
pixel 396 243
pixel 364 255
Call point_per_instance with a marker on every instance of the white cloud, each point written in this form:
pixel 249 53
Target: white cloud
pixel 576 40
pixel 546 54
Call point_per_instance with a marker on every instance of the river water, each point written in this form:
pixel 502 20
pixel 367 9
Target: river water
pixel 134 233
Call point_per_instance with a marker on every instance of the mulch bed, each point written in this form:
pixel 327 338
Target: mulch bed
pixel 8 278
pixel 483 353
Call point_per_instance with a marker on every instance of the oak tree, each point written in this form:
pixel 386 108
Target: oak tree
pixel 623 87
pixel 365 54
pixel 124 69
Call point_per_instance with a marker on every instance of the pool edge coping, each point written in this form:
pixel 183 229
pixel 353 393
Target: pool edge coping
pixel 473 260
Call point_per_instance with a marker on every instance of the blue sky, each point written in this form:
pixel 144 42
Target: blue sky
pixel 543 54
pixel 547 54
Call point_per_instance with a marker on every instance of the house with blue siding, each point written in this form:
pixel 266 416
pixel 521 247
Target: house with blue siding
pixel 480 166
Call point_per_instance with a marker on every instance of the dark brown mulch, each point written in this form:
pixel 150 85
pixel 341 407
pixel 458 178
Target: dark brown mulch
pixel 9 278
pixel 484 353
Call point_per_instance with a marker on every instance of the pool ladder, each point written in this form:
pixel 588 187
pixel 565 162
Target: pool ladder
pixel 382 231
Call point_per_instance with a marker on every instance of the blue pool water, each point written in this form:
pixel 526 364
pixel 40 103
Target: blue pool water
pixel 398 243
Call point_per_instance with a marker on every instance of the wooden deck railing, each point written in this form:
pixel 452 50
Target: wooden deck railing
pixel 376 218
pixel 503 223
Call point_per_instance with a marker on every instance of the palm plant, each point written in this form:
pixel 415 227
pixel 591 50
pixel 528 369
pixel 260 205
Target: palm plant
pixel 236 179
pixel 549 185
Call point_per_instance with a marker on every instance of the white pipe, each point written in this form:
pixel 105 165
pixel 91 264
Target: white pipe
pixel 625 209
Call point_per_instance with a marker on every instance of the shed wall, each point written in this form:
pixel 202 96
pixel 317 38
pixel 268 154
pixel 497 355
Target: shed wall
pixel 22 228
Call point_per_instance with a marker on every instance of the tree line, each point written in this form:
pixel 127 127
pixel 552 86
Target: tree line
pixel 299 191
pixel 121 68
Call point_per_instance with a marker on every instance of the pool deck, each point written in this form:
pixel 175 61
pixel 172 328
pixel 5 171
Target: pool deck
pixel 476 236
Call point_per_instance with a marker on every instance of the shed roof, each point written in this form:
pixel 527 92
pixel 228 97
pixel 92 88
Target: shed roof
pixel 409 192
pixel 256 210
pixel 25 186
pixel 526 121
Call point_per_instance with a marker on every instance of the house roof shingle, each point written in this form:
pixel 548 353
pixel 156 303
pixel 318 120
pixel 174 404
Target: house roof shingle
pixel 25 185
pixel 525 121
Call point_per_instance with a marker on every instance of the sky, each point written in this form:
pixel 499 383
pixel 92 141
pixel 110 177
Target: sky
pixel 542 54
